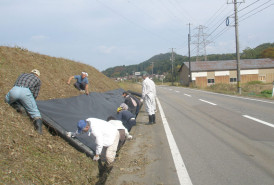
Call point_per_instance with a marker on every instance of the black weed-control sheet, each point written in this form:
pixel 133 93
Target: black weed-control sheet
pixel 63 114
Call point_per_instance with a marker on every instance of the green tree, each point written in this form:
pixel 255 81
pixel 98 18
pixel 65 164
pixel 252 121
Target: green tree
pixel 268 53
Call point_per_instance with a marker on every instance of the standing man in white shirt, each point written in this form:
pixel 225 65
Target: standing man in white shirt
pixel 148 95
pixel 106 137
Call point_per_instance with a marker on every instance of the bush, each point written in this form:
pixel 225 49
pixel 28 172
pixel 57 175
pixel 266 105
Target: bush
pixel 266 92
pixel 254 82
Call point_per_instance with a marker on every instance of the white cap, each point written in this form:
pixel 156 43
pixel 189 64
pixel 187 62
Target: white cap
pixel 85 73
pixel 35 71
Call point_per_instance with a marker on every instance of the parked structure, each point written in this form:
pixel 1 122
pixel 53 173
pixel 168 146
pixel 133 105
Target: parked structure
pixel 205 73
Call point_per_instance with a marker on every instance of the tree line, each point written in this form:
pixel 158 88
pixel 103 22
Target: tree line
pixel 162 64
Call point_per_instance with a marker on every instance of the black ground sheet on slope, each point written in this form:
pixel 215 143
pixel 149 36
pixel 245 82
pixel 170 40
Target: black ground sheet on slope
pixel 63 114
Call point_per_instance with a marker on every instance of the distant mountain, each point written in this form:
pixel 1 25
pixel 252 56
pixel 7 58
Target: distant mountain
pixel 162 63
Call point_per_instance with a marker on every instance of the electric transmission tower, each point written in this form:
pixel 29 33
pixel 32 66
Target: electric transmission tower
pixel 201 42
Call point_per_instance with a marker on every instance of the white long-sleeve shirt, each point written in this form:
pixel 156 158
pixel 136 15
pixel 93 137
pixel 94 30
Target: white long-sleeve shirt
pixel 148 86
pixel 119 125
pixel 103 132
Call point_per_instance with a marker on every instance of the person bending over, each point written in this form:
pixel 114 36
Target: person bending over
pixel 23 95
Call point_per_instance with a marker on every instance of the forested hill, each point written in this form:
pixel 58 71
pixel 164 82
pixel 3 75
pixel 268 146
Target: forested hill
pixel 162 63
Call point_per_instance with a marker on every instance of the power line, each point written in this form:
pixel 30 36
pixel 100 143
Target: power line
pixel 214 15
pixel 249 5
pixel 232 14
pixel 132 22
pixel 255 8
pixel 185 11
pixel 221 21
pixel 148 15
pixel 220 33
pixel 256 12
pixel 167 8
pixel 177 9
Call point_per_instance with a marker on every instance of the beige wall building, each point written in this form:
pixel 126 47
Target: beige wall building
pixel 205 73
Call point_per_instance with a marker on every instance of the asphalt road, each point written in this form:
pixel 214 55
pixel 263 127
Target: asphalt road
pixel 221 139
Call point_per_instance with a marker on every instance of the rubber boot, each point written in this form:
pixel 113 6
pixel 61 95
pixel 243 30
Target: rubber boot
pixel 150 120
pixel 38 125
pixel 153 118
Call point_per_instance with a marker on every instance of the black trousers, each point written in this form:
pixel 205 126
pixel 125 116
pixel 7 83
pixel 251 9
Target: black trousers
pixel 80 86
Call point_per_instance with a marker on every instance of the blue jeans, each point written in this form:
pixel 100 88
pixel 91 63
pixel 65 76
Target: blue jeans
pixel 25 97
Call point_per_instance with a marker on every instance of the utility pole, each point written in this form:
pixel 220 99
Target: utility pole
pixel 172 60
pixel 237 46
pixel 189 39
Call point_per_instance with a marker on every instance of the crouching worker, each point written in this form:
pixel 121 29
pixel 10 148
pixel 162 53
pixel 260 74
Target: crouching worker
pixel 127 118
pixel 23 95
pixel 106 137
pixel 122 130
pixel 81 82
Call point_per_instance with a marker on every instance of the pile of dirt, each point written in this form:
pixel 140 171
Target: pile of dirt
pixel 25 156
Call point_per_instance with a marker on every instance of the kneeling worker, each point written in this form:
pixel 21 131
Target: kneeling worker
pixel 23 95
pixel 105 134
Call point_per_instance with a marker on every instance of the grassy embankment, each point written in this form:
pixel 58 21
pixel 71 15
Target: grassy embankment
pixel 25 156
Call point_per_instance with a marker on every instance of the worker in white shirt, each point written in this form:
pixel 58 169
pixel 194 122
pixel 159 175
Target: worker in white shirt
pixel 124 134
pixel 106 137
pixel 148 95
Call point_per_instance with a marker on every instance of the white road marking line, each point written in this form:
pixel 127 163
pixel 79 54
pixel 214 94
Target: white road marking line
pixel 170 89
pixel 187 95
pixel 177 91
pixel 272 102
pixel 177 158
pixel 207 102
pixel 260 121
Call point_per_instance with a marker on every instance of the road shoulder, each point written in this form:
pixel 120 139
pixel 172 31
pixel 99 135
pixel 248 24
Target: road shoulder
pixel 146 159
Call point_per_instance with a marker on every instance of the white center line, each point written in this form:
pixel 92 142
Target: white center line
pixel 207 102
pixel 260 121
pixel 177 91
pixel 187 95
pixel 177 158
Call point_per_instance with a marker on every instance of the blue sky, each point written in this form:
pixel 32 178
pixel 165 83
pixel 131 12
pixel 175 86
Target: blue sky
pixel 108 33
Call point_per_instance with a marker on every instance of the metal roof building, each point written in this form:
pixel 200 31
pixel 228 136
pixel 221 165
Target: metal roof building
pixel 206 73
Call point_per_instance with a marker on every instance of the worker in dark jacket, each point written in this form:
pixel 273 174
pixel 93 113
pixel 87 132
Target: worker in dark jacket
pixel 138 105
pixel 23 95
pixel 131 103
pixel 127 118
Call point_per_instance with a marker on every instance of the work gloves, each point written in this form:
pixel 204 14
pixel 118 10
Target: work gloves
pixel 96 158
pixel 71 134
pixel 129 137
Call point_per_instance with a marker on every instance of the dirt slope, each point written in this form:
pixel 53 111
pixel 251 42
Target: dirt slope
pixel 25 156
